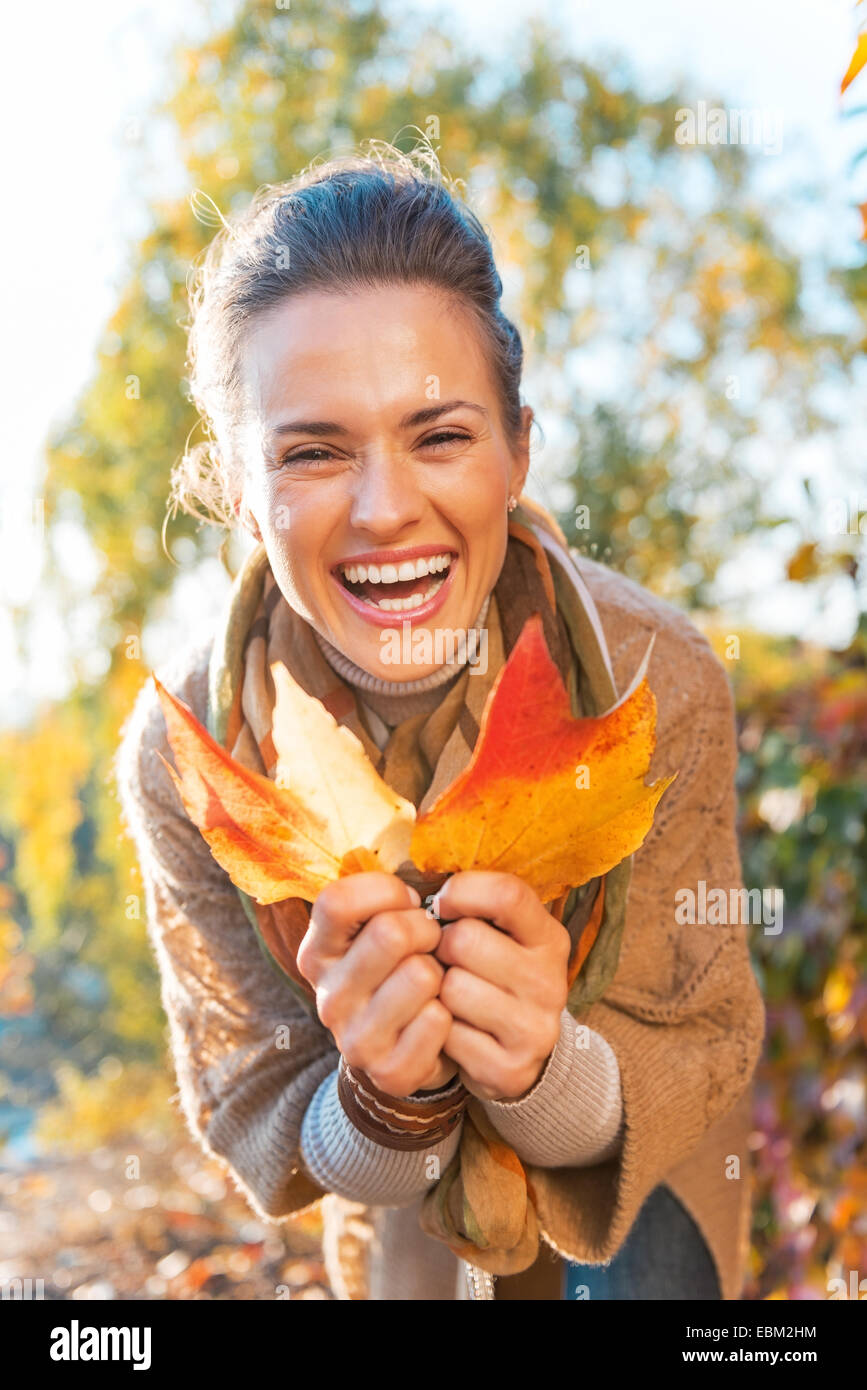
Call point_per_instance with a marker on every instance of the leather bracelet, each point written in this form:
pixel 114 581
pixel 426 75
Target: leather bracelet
pixel 398 1113
pixel 390 1120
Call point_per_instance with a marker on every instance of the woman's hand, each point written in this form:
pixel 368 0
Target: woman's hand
pixel 367 953
pixel 505 988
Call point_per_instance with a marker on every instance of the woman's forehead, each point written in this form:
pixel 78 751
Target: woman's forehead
pixel 378 349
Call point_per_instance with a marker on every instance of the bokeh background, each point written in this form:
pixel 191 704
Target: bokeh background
pixel 695 324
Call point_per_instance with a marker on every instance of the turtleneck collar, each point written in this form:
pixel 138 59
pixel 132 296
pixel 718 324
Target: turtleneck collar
pixel 394 690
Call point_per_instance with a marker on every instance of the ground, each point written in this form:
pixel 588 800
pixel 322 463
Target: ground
pixel 173 1229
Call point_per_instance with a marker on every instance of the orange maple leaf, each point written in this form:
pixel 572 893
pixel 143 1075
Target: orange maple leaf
pixel 276 843
pixel 553 799
pixel 859 58
pixel 520 806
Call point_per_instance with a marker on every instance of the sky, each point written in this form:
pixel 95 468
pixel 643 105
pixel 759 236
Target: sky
pixel 81 137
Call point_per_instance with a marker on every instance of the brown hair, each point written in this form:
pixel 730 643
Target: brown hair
pixel 358 220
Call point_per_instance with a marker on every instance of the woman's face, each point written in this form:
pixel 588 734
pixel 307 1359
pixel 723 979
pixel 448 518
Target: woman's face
pixel 378 471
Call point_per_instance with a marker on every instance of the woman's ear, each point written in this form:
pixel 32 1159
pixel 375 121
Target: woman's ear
pixel 521 454
pixel 247 519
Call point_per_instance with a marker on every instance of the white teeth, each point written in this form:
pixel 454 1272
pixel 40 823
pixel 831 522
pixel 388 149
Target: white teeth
pixel 393 574
pixel 402 605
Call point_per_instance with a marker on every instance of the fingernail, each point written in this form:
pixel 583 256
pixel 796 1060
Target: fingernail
pixel 415 895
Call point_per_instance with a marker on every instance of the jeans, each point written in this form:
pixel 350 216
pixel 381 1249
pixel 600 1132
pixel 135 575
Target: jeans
pixel 664 1256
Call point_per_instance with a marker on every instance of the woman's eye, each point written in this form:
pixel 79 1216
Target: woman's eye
pixel 307 454
pixel 444 436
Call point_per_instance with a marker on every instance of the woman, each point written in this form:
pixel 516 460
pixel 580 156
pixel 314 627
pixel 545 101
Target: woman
pixel 361 386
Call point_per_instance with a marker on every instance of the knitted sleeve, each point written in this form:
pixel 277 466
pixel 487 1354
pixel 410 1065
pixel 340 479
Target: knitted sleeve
pixel 343 1160
pixel 248 1057
pixel 683 1015
pixel 573 1115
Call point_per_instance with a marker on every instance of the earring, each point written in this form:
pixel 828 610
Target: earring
pixel 513 502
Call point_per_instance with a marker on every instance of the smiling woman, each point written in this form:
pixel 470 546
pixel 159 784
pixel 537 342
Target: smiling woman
pixel 504 1071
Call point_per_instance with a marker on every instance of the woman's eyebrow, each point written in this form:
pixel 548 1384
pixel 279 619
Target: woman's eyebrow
pixel 417 417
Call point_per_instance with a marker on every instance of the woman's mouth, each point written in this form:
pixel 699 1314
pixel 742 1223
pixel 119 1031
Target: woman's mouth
pixel 410 588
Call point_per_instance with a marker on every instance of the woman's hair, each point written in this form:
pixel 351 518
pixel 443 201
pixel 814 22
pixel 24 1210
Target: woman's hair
pixel 354 222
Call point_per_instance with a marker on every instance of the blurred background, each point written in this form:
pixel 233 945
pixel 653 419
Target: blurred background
pixel 694 314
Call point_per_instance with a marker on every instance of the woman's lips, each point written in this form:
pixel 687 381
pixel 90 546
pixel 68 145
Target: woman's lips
pixel 379 618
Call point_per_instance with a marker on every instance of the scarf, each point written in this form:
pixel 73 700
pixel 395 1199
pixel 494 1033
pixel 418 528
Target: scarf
pixel 482 1206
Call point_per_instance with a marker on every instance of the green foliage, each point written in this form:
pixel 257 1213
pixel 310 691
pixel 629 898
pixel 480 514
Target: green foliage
pixel 112 1103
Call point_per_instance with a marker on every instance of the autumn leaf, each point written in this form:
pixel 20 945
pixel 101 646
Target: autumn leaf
pixel 275 842
pixel 859 58
pixel 803 565
pixel 553 799
pixel 324 763
pixel 589 934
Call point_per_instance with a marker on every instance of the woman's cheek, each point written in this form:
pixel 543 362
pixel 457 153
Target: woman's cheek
pixel 278 508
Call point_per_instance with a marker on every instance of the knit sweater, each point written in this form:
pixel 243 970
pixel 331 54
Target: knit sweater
pixel 661 1093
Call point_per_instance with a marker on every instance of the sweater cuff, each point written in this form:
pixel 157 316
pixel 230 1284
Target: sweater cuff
pixel 572 1116
pixel 340 1159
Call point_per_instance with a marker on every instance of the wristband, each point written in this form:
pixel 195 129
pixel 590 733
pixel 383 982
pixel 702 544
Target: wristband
pixel 391 1120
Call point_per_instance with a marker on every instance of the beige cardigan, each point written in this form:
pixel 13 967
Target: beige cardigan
pixel 683 1014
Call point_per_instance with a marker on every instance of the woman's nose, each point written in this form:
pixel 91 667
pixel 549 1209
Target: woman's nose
pixel 386 497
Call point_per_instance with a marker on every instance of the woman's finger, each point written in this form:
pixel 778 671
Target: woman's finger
pixel 341 910
pixel 477 1002
pixel 487 1070
pixel 502 899
pixel 416 1052
pixel 380 946
pixel 395 1004
pixel 487 952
